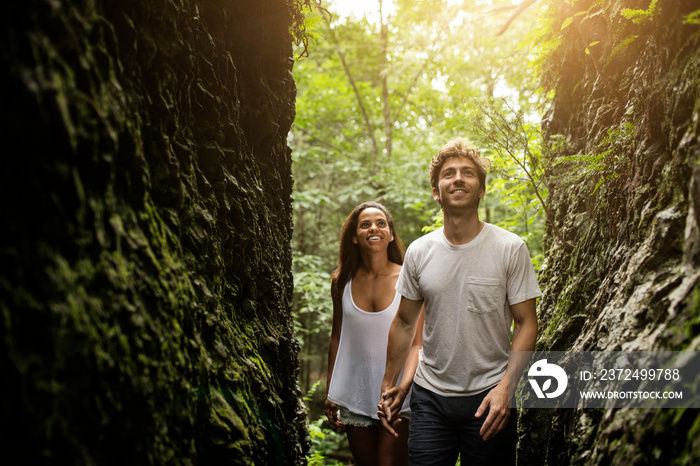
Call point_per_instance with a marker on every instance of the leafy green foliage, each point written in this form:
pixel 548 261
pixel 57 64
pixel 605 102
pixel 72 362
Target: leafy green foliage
pixel 641 16
pixel 323 442
pixel 301 28
pixel 311 295
pixel 692 18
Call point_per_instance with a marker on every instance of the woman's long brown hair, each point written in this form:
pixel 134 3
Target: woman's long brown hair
pixel 349 258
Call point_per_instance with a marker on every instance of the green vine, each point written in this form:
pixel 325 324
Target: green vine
pixel 302 23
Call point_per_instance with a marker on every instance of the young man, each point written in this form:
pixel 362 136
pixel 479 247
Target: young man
pixel 474 279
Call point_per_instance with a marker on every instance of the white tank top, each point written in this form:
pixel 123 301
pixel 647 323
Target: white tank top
pixel 356 381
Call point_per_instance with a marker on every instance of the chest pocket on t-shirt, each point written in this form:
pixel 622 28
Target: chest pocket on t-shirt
pixel 483 294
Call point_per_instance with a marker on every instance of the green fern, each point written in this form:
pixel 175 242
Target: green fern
pixel 642 16
pixel 692 18
pixel 608 162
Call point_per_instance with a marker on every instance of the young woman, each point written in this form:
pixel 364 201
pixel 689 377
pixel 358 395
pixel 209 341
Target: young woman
pixel 364 304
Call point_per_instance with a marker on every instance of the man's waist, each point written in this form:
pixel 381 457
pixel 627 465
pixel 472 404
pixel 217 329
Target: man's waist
pixel 467 384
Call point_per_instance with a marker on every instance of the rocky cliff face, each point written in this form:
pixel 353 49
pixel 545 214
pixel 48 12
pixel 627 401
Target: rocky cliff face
pixel 631 102
pixel 146 284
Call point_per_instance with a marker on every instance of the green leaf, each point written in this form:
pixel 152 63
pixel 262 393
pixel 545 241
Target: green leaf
pixel 567 22
pixel 692 18
pixel 629 13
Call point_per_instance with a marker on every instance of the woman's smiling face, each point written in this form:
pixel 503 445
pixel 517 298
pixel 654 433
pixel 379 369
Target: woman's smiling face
pixel 372 229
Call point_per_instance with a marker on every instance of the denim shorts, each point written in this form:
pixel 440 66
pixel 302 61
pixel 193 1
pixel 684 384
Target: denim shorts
pixel 443 427
pixel 349 418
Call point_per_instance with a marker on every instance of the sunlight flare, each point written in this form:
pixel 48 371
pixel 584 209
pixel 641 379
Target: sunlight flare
pixel 360 8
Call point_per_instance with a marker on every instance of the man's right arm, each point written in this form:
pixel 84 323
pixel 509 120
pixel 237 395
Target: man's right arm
pixel 401 335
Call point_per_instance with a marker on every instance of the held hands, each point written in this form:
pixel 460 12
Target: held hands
pixel 389 407
pixel 497 404
pixel 331 410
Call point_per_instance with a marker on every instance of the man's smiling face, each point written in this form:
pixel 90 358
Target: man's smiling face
pixel 458 184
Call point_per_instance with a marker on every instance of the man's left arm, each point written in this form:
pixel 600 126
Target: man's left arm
pixel 497 401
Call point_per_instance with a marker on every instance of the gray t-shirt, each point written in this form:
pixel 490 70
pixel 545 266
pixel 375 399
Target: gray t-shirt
pixel 467 290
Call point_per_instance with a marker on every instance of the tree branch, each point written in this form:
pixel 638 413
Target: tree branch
pixel 505 129
pixel 410 88
pixel 365 116
pixel 388 123
pixel 521 8
pixel 318 139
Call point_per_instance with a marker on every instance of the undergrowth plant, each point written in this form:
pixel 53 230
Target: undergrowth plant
pixel 605 164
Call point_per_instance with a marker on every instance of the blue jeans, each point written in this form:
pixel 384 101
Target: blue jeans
pixel 443 427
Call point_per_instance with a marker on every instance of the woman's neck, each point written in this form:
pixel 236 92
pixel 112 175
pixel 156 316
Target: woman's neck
pixel 375 264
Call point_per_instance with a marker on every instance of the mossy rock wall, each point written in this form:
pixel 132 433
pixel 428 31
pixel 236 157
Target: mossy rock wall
pixel 146 264
pixel 632 282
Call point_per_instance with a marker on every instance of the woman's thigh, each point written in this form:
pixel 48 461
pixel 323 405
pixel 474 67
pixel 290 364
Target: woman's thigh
pixel 364 443
pixel 393 451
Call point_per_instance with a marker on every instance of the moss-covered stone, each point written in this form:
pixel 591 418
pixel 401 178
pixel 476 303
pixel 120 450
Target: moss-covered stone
pixel 146 181
pixel 631 281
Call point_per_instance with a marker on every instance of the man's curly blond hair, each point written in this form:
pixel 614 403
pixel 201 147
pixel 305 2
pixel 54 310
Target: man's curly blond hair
pixel 459 147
